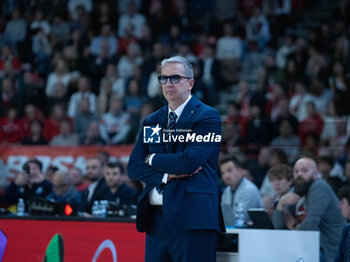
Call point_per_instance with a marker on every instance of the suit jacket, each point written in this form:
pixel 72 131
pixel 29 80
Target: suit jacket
pixel 191 202
pixel 99 193
pixel 344 244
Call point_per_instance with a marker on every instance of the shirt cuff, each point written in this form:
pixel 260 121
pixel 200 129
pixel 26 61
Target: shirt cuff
pixel 165 178
pixel 150 159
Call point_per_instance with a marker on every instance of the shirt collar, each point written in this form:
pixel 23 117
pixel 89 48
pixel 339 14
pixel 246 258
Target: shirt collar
pixel 178 111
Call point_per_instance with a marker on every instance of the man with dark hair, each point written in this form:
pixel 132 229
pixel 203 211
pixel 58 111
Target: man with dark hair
pixel 28 183
pixel 239 190
pixel 97 187
pixel 118 192
pixel 344 248
pixel 317 208
pixel 325 166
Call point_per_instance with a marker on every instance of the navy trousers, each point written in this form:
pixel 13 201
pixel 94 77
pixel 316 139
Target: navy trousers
pixel 165 244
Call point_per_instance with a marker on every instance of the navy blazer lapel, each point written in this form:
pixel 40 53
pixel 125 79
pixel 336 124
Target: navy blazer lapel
pixel 187 113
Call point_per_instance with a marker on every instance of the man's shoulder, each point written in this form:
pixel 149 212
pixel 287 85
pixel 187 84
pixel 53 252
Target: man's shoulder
pixel 247 185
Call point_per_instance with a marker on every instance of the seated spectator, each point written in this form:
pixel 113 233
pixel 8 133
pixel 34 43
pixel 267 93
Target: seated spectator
pixel 63 189
pixel 58 81
pixel 344 248
pixel 84 118
pixel 10 129
pixel 260 166
pixel 28 183
pixel 118 192
pixel 131 16
pixel 97 185
pixel 313 123
pixel 258 29
pixel 127 62
pixel 115 124
pixel 347 172
pixel 238 190
pixel 73 6
pixel 50 171
pixel 106 37
pixel 316 208
pixel 134 98
pixel 78 179
pixel 66 137
pixel 52 123
pixel 15 30
pixel 325 166
pixel 287 141
pixel 35 136
pixel 7 55
pixel 298 102
pixel 84 92
pixel 9 97
pixel 229 46
pixel 281 179
pixel 40 22
pixel 93 136
pixel 42 50
pixel 31 113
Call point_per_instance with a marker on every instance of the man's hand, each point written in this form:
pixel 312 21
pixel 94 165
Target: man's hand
pixel 21 179
pixel 287 199
pixel 172 176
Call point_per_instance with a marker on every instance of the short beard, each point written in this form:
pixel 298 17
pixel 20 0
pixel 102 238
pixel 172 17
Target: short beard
pixel 301 187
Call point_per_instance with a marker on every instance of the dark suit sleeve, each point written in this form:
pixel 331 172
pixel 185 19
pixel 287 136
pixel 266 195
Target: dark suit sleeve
pixel 195 153
pixel 137 168
pixel 342 247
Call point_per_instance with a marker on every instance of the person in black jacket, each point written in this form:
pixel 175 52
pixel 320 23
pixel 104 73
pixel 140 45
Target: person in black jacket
pixel 97 188
pixel 28 183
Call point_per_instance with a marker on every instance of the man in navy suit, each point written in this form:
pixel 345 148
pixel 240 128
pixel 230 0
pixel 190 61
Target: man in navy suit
pixel 178 161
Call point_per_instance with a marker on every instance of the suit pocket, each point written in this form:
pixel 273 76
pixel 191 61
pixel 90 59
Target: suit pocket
pixel 204 189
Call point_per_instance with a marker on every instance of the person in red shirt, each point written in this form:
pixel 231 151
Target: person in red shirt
pixel 52 123
pixel 7 55
pixel 10 129
pixel 312 124
pixel 31 113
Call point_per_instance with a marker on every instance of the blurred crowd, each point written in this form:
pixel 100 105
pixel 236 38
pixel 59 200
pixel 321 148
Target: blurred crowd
pixel 84 72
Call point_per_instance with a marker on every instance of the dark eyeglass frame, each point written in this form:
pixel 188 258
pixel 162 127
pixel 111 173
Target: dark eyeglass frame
pixel 174 79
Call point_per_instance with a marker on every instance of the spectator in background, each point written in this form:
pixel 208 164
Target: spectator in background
pixel 15 30
pixel 127 62
pixel 9 97
pixel 40 23
pixel 58 82
pixel 344 248
pixel 313 123
pixel 7 55
pixel 298 102
pixel 84 118
pixel 28 183
pixel 261 165
pixel 35 136
pixel 60 31
pixel 31 113
pixel 118 192
pixel 115 124
pixel 131 16
pixel 330 120
pixel 42 50
pixel 282 114
pixel 229 46
pixel 50 171
pixel 281 179
pixel 106 37
pixel 52 123
pixel 287 141
pixel 258 29
pixel 92 135
pixel 63 189
pixel 83 93
pixel 97 185
pixel 78 179
pixel 73 6
pixel 325 166
pixel 10 128
pixel 238 190
pixel 317 208
pixel 66 136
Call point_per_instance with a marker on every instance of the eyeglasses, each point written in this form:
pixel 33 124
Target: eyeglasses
pixel 174 79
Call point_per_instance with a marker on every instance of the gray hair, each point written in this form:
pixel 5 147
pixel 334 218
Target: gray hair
pixel 179 60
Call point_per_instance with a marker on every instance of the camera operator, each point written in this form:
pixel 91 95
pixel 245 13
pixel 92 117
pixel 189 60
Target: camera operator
pixel 30 182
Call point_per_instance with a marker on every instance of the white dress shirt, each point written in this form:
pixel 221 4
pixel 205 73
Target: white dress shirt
pixel 154 197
